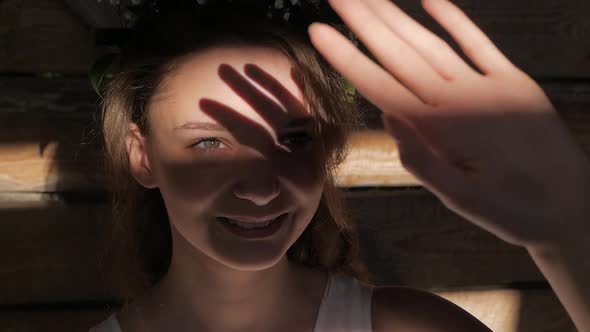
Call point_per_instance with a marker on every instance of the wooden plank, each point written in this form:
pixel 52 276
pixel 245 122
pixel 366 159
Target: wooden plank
pixel 544 38
pixel 51 119
pixel 49 141
pixel 49 246
pixel 49 249
pixel 50 319
pixel 523 31
pixel 502 310
pixel 514 310
pixel 409 237
pixel 44 36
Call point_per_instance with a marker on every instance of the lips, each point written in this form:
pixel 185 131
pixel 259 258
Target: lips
pixel 253 219
pixel 249 225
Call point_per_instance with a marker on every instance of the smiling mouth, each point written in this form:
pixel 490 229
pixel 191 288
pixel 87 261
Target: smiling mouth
pixel 250 225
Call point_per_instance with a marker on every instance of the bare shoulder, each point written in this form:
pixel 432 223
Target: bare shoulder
pixel 401 309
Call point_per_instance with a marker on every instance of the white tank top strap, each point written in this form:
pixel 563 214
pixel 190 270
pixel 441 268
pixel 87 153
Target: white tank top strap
pixel 346 306
pixel 108 325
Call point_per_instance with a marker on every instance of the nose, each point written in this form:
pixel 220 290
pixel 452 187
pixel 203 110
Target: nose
pixel 259 190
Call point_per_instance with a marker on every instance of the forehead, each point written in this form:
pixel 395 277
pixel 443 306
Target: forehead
pixel 177 100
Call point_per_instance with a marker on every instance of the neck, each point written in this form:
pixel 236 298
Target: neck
pixel 202 294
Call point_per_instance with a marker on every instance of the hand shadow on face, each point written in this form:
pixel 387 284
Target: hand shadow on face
pixel 246 131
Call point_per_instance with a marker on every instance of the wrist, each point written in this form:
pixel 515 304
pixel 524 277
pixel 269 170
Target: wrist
pixel 562 246
pixel 572 235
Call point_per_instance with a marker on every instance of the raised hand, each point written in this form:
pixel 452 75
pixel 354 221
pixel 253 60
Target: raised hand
pixel 488 144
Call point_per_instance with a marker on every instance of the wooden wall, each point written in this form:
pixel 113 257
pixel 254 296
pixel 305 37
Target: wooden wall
pixel 53 202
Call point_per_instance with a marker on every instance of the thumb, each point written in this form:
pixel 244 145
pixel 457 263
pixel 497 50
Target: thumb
pixel 419 158
pixel 401 131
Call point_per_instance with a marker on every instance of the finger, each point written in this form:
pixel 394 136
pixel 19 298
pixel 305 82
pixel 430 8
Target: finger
pixel 401 60
pixel 374 83
pixel 435 50
pixel 474 43
pixel 272 85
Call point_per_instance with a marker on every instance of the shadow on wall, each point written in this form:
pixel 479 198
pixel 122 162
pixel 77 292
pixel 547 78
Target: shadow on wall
pixel 53 204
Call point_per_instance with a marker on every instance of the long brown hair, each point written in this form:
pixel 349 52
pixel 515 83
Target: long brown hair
pixel 137 243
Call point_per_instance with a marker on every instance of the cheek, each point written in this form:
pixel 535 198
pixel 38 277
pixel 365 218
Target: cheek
pixel 191 188
pixel 303 171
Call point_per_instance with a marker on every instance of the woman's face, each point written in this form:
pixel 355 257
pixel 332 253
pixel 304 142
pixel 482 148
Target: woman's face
pixel 212 153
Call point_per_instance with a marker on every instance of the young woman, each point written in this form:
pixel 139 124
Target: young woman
pixel 222 131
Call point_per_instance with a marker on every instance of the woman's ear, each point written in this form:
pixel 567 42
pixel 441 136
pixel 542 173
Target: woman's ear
pixel 139 164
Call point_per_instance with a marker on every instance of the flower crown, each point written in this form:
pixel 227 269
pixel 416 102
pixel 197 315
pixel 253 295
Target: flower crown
pixel 294 13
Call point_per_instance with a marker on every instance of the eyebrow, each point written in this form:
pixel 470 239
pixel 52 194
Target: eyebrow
pixel 294 123
pixel 201 125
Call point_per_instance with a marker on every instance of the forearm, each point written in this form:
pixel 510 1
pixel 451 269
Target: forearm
pixel 567 268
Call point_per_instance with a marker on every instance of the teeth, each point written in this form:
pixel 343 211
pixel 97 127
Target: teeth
pixel 248 225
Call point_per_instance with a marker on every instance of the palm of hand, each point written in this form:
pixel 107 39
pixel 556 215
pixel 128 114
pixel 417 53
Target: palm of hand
pixel 489 145
pixel 495 152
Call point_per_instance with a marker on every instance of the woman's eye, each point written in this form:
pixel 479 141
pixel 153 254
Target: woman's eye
pixel 212 143
pixel 299 139
pixel 209 143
